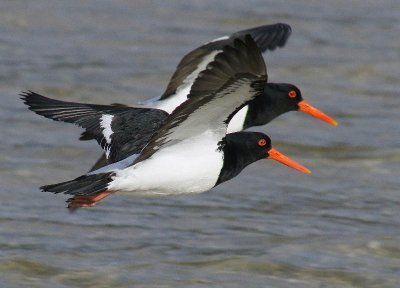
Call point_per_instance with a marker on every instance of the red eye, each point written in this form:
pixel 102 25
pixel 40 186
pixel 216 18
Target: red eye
pixel 262 142
pixel 292 94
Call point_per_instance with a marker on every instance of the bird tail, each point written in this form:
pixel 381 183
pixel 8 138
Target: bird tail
pixel 87 190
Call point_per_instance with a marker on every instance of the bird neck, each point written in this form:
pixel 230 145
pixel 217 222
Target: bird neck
pixel 263 109
pixel 235 157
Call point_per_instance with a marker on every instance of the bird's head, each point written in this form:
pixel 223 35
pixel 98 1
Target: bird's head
pixel 287 97
pixel 257 146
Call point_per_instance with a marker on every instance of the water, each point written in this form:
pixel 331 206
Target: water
pixel 269 227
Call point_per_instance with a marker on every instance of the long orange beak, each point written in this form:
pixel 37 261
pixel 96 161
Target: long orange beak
pixel 307 108
pixel 278 156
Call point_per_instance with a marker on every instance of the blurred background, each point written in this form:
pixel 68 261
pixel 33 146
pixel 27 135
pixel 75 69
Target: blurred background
pixel 268 227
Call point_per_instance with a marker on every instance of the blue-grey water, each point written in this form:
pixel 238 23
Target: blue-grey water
pixel 269 227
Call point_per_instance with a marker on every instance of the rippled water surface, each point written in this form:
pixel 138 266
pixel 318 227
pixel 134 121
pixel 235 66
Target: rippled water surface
pixel 269 227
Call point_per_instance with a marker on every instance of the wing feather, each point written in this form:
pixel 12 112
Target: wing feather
pixel 120 130
pixel 235 77
pixel 267 37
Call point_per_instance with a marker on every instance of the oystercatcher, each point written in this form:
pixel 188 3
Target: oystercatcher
pixel 190 152
pixel 267 37
pixel 133 127
pixel 130 128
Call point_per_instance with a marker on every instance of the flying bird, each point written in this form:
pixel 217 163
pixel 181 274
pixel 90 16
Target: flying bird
pixel 190 152
pixel 130 128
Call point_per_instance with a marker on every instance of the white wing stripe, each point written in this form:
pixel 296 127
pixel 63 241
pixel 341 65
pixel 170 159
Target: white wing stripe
pixel 219 39
pixel 105 123
pixel 183 90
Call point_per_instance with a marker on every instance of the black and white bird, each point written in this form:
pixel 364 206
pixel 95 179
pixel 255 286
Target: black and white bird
pixel 190 152
pixel 267 37
pixel 130 128
pixel 122 131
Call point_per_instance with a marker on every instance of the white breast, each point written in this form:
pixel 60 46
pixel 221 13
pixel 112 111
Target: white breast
pixel 237 122
pixel 192 166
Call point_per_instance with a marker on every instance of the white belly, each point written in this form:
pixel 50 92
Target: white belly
pixel 188 167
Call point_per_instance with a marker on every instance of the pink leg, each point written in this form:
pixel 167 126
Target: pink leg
pixel 86 201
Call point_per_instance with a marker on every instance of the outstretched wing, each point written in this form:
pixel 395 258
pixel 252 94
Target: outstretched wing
pixel 235 77
pixel 120 130
pixel 267 37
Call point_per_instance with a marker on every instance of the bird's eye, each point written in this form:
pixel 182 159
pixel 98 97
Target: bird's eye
pixel 292 94
pixel 262 142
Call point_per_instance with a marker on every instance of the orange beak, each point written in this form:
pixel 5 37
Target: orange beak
pixel 278 156
pixel 307 108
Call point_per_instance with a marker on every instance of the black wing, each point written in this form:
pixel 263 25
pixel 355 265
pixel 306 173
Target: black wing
pixel 86 135
pixel 267 37
pixel 235 77
pixel 120 130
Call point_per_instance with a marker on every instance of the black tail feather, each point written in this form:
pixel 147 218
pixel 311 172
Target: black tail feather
pixel 83 185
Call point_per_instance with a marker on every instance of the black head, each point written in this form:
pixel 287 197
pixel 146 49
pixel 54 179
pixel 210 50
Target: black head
pixel 288 97
pixel 285 97
pixel 240 150
pixel 243 148
pixel 252 145
pixel 277 99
